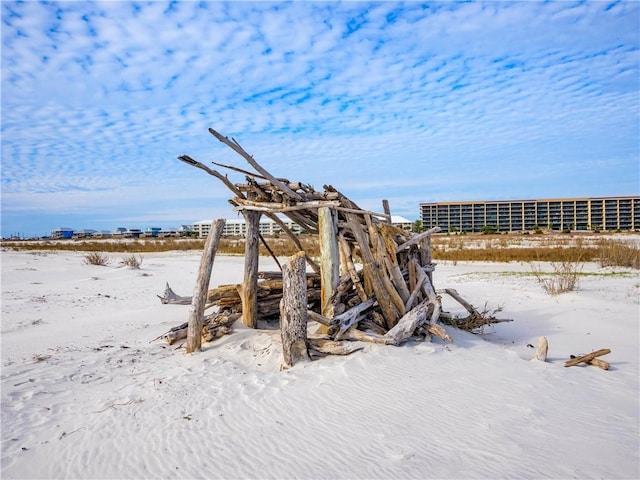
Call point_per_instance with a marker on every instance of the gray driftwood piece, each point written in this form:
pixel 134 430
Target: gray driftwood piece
pixel 293 311
pixel 199 300
pixel 172 298
pixel 541 350
pixel 409 322
pixel 329 259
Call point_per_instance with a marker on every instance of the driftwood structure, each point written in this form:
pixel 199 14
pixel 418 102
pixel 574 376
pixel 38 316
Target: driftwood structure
pixel 373 281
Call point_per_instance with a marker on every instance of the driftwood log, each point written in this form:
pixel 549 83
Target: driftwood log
pixel 293 311
pixel 196 309
pixel 587 358
pixel 542 349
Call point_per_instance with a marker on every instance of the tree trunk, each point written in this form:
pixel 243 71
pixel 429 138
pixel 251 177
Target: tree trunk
pixel 293 311
pixel 196 310
pixel 329 260
pixel 250 283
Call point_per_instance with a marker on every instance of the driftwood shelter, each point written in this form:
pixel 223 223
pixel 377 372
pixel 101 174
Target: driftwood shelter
pixel 372 283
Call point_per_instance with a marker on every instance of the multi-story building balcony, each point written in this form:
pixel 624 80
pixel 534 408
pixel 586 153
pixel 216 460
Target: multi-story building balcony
pixel 603 213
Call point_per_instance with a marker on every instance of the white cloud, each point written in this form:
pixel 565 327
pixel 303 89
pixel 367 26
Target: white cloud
pixel 99 98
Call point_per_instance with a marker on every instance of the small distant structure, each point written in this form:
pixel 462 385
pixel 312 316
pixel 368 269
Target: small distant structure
pixel 168 232
pixel 62 233
pixel 103 234
pixel 237 227
pixel 119 232
pixel 401 222
pixel 84 233
pixel 184 230
pixel 152 231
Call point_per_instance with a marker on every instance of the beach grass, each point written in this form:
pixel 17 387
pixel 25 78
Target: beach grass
pixel 606 249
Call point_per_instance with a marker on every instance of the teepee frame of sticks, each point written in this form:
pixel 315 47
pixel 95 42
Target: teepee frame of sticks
pixel 372 283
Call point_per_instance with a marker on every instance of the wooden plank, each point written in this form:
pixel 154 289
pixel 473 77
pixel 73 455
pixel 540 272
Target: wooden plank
pixel 586 358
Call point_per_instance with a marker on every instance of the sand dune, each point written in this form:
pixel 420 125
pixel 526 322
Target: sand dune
pixel 85 394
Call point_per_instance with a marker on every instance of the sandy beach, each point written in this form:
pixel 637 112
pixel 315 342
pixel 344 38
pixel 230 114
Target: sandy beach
pixel 87 393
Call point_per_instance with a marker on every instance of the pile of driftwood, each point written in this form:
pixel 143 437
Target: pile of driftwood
pixel 372 282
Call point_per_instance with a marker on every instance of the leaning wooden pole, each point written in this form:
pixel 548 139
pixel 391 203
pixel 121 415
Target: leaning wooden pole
pixel 199 299
pixel 293 311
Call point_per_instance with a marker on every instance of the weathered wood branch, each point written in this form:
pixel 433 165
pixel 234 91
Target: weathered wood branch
pixel 296 241
pixel 372 271
pixel 215 325
pixel 417 238
pixel 349 318
pixel 324 346
pixel 223 178
pixel 351 269
pixel 235 146
pixel 171 298
pixel 586 358
pixel 408 324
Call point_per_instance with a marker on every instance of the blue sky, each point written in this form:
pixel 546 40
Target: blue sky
pixel 412 102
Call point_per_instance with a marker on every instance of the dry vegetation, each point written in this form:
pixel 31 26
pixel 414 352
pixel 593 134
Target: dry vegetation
pixel 131 261
pixel 621 250
pixel 97 258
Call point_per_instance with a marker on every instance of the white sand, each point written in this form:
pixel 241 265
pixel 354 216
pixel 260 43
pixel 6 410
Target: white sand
pixel 86 395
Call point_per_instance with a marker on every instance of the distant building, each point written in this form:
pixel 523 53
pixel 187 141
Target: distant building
pixel 168 232
pixel 84 233
pixel 236 227
pixel 401 222
pixel 564 214
pixel 62 232
pixel 152 231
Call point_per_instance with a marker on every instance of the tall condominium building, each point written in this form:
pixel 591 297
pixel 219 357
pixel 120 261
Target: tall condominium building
pixel 600 213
